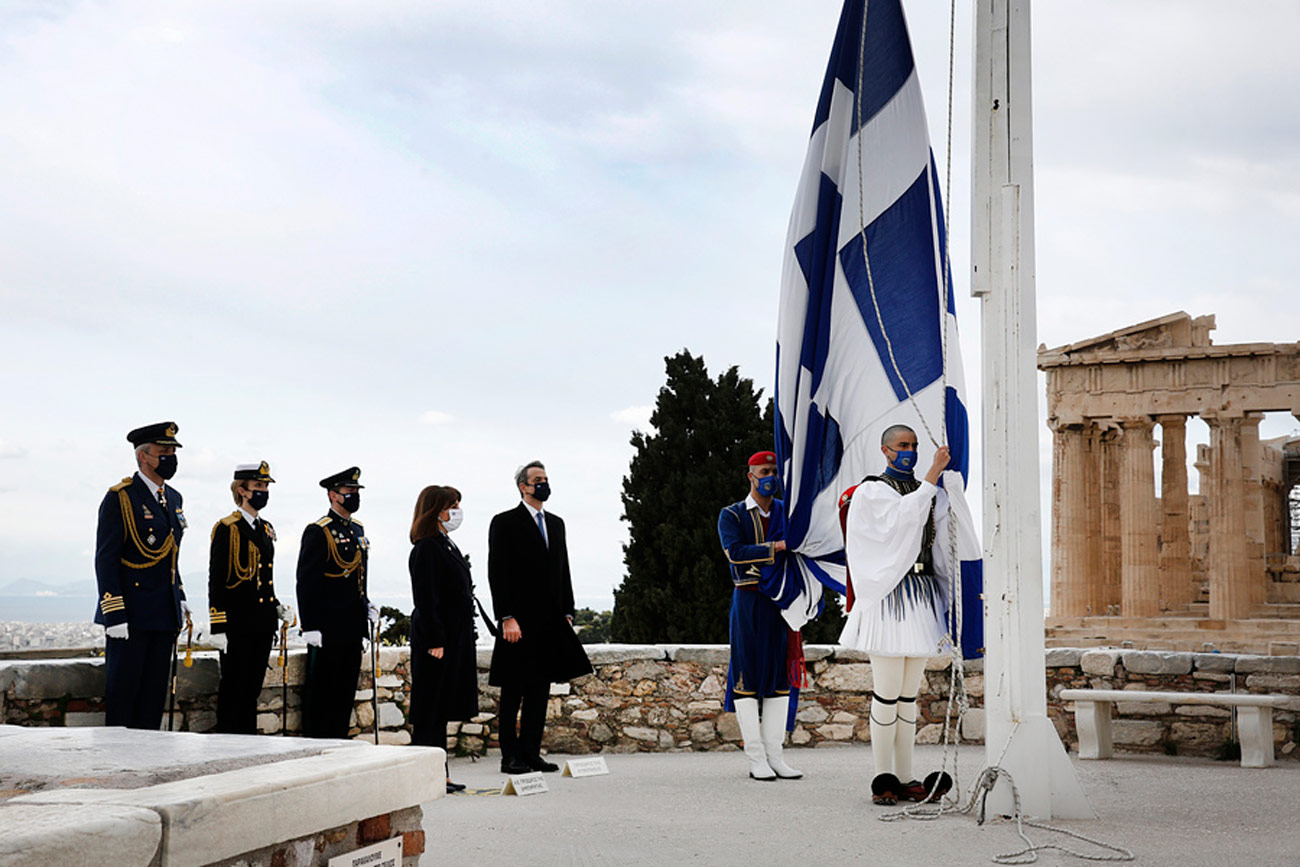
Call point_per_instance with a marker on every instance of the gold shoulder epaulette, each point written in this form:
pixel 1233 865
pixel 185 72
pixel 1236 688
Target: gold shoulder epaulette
pixel 358 523
pixel 122 484
pixel 324 522
pixel 231 518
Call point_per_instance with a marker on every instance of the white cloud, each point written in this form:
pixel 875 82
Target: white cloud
pixel 298 195
pixel 636 416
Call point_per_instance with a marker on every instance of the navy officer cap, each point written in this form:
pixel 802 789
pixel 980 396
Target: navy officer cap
pixel 163 433
pixel 350 476
pixel 254 472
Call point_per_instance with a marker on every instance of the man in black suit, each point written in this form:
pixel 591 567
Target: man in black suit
pixel 532 596
pixel 141 602
pixel 335 610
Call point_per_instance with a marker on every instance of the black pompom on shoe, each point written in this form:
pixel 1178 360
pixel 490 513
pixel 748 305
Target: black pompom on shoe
pixel 885 789
pixel 939 783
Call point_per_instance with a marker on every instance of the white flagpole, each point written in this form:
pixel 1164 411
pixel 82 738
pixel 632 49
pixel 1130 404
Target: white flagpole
pixel 1019 736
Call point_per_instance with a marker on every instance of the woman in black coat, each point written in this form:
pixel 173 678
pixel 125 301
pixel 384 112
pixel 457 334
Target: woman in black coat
pixel 444 670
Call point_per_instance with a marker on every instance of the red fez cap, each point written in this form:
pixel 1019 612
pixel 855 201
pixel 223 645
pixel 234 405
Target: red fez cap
pixel 758 459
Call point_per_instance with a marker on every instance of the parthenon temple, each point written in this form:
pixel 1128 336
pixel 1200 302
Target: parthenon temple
pixel 1214 570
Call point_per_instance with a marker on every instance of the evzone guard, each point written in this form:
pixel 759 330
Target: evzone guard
pixel 896 541
pixel 766 657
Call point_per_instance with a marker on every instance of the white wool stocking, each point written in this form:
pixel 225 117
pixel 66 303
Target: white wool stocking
pixel 893 722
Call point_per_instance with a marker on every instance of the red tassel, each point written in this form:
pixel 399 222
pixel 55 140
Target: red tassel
pixel 798 670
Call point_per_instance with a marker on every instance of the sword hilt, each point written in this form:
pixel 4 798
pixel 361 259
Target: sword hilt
pixel 189 642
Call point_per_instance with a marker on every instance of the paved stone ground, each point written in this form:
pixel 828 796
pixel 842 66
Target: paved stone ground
pixel 700 808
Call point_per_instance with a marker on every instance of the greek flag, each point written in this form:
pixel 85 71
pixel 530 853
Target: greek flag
pixel 867 335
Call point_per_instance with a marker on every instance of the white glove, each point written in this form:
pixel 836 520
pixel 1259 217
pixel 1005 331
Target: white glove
pixel 373 614
pixel 118 631
pixel 185 608
pixel 312 637
pixel 284 612
pixel 219 641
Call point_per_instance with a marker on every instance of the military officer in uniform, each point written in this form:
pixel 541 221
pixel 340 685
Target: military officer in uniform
pixel 141 601
pixel 244 610
pixel 334 608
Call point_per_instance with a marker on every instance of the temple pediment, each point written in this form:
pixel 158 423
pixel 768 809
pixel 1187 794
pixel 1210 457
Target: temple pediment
pixel 1174 331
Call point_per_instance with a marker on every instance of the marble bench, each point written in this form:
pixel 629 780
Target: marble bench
pixel 1254 718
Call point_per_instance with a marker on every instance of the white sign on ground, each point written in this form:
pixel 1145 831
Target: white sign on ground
pixel 525 784
pixel 592 766
pixel 385 854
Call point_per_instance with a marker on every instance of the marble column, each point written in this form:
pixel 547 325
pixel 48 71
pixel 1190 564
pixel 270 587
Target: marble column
pixel 1228 568
pixel 1252 477
pixel 1175 539
pixel 1139 522
pixel 1070 573
pixel 1093 519
pixel 1112 561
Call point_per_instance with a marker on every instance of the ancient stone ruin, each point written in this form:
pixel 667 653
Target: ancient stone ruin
pixel 1173 570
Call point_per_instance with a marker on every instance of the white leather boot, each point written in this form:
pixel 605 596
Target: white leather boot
pixel 773 726
pixel 752 739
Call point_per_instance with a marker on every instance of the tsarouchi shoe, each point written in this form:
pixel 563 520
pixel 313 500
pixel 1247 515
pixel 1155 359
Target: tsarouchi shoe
pixel 939 783
pixel 885 790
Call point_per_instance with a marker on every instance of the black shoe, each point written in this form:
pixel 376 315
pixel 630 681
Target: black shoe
pixel 885 790
pixel 453 788
pixel 514 767
pixel 540 764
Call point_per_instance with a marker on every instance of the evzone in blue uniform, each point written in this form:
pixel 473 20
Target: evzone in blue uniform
pixel 752 533
pixel 141 601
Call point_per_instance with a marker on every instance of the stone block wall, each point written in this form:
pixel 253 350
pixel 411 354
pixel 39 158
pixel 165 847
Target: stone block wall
pixel 320 848
pixel 670 698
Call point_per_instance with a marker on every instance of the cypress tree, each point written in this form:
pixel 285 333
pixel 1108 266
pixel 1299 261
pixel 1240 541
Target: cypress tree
pixel 677 587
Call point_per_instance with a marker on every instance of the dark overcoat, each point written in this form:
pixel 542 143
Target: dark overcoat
pixel 443 617
pixel 530 582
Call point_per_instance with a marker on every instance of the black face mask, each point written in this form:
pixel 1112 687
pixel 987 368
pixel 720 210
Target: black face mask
pixel 542 491
pixel 257 500
pixel 352 502
pixel 166 466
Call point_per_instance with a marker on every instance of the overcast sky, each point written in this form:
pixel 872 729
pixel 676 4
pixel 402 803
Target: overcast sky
pixel 437 240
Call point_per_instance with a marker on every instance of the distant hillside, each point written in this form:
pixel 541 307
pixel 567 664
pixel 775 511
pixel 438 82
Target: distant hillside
pixel 31 587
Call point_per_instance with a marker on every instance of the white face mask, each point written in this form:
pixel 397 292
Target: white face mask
pixel 453 520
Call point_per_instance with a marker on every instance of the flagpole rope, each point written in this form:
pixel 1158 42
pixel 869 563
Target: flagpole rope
pixel 957 683
pixel 957 695
pixel 862 232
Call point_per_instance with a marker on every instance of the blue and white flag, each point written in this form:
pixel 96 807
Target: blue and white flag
pixel 866 338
